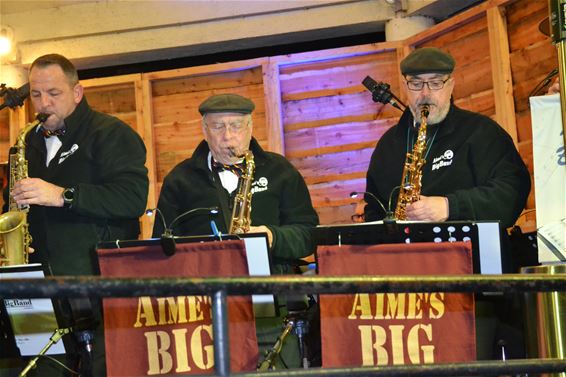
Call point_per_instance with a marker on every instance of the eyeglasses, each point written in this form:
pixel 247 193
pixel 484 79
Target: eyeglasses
pixel 435 84
pixel 235 127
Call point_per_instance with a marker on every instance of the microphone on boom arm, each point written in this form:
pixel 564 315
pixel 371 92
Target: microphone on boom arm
pixel 13 97
pixel 389 216
pixel 167 238
pixel 380 93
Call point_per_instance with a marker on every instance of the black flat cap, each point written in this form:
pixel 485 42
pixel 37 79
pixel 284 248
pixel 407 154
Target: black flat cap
pixel 427 60
pixel 226 103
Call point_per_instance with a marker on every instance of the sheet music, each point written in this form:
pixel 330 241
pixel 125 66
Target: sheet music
pixel 33 320
pixel 554 237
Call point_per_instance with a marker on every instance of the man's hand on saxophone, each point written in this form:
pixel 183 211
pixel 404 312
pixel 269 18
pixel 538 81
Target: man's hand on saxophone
pixel 37 191
pixel 263 229
pixel 428 208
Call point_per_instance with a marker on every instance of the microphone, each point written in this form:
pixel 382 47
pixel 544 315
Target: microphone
pixel 167 238
pixel 381 93
pixel 83 330
pixel 14 97
pixel 388 214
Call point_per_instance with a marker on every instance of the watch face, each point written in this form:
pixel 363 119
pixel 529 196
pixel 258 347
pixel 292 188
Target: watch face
pixel 68 194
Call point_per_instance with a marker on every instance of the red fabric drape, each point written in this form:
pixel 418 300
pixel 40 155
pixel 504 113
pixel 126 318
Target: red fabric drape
pixel 173 335
pixel 396 328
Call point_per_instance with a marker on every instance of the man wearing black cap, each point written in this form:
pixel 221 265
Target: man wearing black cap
pixel 472 172
pixel 281 204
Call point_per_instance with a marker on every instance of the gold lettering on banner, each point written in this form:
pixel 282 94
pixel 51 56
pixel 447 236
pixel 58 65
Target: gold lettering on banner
pixel 361 305
pixel 159 359
pixel 413 345
pixel 436 305
pixel 203 360
pixel 397 306
pixel 374 352
pixel 170 310
pixel 373 340
pixel 181 350
pixel 160 351
pixel 145 312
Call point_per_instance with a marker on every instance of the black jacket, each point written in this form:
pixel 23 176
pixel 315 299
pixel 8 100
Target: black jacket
pixel 280 201
pixel 106 167
pixel 472 161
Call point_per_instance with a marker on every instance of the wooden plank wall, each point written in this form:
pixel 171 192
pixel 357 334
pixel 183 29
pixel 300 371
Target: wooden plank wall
pixel 313 108
pixel 331 124
pixel 532 57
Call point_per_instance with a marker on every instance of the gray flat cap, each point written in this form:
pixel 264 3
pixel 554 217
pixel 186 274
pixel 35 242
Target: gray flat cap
pixel 427 60
pixel 226 103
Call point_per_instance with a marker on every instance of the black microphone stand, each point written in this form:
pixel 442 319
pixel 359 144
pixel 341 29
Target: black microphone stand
pixel 167 238
pixel 389 217
pixel 295 323
pixel 57 335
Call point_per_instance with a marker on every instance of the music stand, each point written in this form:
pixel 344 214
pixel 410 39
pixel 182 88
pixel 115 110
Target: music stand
pixel 484 236
pixel 29 322
pixel 259 261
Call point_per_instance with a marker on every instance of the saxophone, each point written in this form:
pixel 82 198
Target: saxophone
pixel 242 210
pixel 410 188
pixel 14 234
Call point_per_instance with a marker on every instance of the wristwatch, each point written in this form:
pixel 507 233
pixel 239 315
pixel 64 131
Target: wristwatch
pixel 68 197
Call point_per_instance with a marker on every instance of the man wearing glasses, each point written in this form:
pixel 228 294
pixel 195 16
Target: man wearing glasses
pixel 472 171
pixel 281 204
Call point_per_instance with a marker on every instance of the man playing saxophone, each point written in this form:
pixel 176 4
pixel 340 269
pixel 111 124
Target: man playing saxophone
pixel 471 171
pixel 87 183
pixel 280 201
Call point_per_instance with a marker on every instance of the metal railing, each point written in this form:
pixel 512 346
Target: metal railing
pixel 220 288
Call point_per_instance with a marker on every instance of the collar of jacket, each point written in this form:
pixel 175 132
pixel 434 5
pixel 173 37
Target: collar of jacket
pixel 199 160
pixel 77 117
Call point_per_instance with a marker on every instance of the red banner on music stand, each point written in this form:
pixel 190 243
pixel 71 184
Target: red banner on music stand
pixel 368 329
pixel 173 335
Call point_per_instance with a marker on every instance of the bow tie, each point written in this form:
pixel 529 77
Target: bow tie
pixel 48 133
pixel 237 168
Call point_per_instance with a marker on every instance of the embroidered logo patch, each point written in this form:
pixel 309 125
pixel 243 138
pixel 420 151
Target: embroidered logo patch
pixel 65 155
pixel 444 160
pixel 259 185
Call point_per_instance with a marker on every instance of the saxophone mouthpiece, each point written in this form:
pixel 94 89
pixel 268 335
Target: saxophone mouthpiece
pixel 425 110
pixel 42 117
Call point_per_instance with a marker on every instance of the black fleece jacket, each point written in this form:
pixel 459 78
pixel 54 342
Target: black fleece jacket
pixel 103 159
pixel 472 161
pixel 280 201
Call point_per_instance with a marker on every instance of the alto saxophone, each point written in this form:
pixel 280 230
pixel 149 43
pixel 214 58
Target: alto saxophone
pixel 410 188
pixel 242 210
pixel 14 234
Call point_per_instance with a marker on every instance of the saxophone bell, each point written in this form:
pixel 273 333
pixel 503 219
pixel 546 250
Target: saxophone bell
pixel 15 238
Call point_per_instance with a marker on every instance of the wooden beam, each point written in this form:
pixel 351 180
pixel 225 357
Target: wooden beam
pixel 205 69
pixel 501 71
pixel 113 80
pixel 273 121
pixel 144 121
pixel 336 53
pixel 454 22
